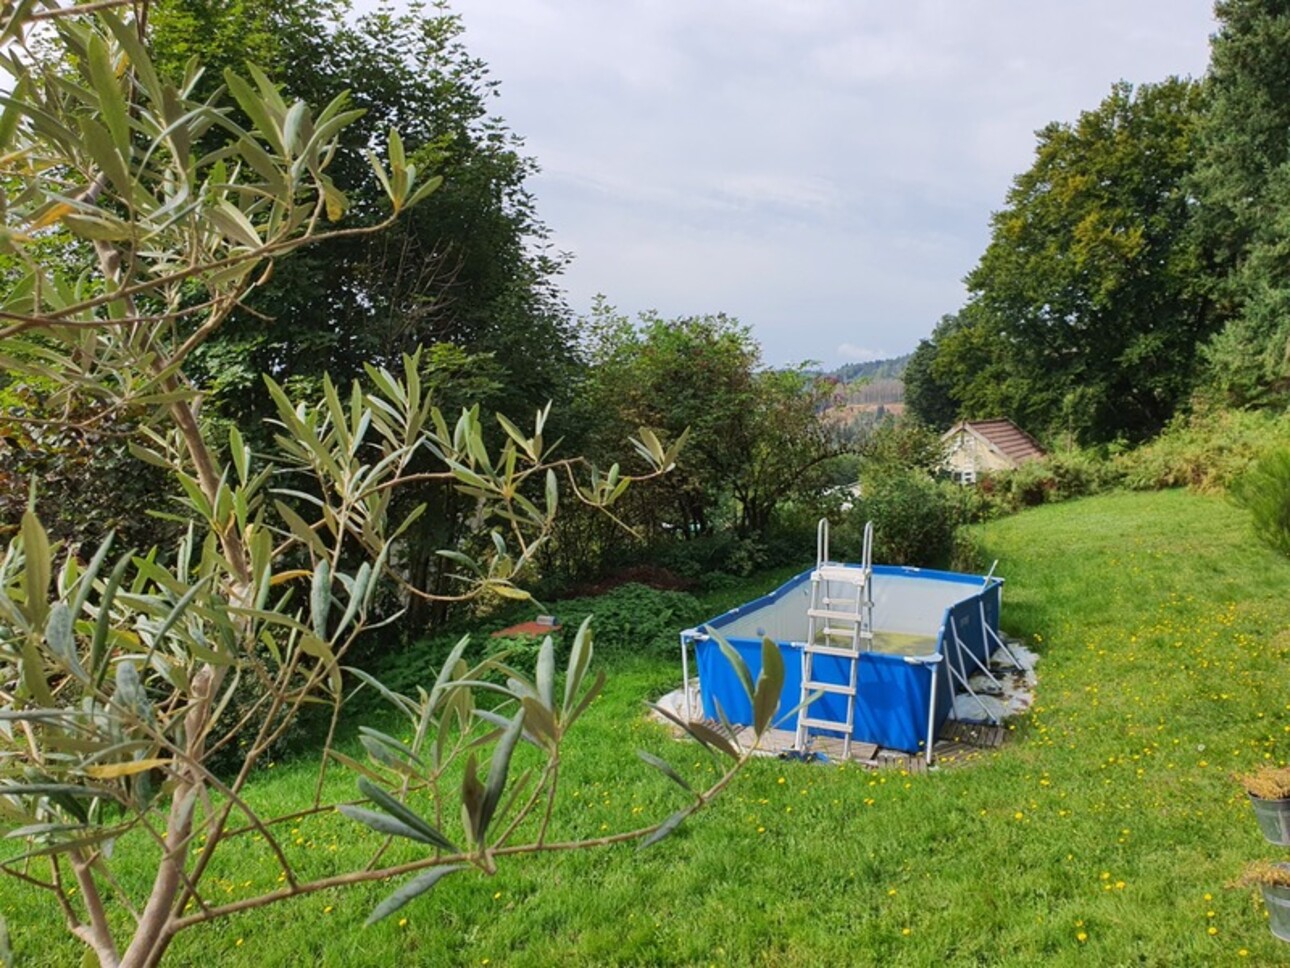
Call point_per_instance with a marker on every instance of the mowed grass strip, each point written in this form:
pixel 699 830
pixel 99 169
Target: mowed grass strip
pixel 1105 832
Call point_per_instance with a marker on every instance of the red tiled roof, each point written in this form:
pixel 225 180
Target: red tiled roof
pixel 1005 437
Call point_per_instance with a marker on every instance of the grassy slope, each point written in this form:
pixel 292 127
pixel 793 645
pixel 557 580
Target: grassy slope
pixel 1111 815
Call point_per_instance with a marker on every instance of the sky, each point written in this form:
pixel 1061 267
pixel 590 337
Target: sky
pixel 824 170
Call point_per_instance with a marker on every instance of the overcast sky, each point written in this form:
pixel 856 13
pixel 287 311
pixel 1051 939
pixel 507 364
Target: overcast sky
pixel 824 170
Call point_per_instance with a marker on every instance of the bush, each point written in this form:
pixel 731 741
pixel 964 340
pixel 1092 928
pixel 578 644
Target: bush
pixel 632 618
pixel 1265 492
pixel 914 519
pixel 1057 477
pixel 1205 451
pixel 629 619
pixel 708 557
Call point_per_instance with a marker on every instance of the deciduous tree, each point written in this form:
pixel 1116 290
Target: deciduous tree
pixel 1089 283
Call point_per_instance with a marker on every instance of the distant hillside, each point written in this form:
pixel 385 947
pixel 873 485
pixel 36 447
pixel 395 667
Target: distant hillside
pixel 891 369
pixel 866 395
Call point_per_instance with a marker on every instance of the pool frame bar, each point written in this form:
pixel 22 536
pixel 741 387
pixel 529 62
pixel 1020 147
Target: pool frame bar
pixel 893 709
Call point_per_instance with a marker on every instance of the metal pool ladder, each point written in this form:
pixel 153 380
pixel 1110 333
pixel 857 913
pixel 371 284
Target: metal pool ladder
pixel 839 622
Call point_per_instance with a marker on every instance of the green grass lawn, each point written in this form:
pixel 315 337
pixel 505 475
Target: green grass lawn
pixel 1104 833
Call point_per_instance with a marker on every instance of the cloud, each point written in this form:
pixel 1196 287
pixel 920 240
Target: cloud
pixel 823 169
pixel 851 352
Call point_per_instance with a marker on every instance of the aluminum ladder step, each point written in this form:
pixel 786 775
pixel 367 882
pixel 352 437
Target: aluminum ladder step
pixel 842 652
pixel 830 632
pixel 831 614
pixel 836 725
pixel 840 688
pixel 841 574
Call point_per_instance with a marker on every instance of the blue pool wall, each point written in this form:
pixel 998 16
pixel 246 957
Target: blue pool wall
pixel 892 695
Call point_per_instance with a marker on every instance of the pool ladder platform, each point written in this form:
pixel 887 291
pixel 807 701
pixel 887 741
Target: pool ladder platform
pixel 839 624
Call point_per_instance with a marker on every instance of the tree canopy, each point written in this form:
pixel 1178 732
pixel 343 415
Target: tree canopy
pixel 469 267
pixel 755 436
pixel 1243 186
pixel 1084 312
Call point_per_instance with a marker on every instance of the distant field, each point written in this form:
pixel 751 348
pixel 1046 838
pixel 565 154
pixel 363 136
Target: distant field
pixel 1104 833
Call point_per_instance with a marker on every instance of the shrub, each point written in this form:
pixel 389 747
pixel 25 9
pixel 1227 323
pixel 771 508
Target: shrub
pixel 1205 451
pixel 914 520
pixel 633 618
pixel 705 558
pixel 1265 491
pixel 1057 477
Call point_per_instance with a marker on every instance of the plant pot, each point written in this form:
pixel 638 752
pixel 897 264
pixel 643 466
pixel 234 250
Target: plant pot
pixel 1274 819
pixel 1277 899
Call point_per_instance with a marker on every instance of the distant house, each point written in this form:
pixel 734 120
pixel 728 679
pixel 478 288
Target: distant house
pixel 974 447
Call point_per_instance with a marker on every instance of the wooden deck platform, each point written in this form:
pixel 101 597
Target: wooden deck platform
pixel 957 743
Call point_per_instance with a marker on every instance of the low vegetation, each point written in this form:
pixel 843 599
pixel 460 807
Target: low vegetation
pixel 1106 829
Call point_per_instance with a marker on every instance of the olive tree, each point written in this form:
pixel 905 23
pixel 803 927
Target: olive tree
pixel 118 667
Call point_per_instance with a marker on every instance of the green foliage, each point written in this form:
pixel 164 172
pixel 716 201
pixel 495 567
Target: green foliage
pixel 1249 359
pixel 1265 492
pixel 467 273
pixel 1085 314
pixel 634 619
pixel 889 369
pixel 927 397
pixel 904 445
pixel 87 484
pixel 1242 184
pixel 755 436
pixel 711 558
pixel 1206 451
pixel 631 619
pixel 469 266
pixel 1060 476
pixel 914 519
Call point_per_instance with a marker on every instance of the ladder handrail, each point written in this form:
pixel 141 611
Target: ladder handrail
pixel 861 630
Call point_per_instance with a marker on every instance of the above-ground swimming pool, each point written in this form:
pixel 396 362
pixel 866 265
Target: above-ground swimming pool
pixel 931 630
